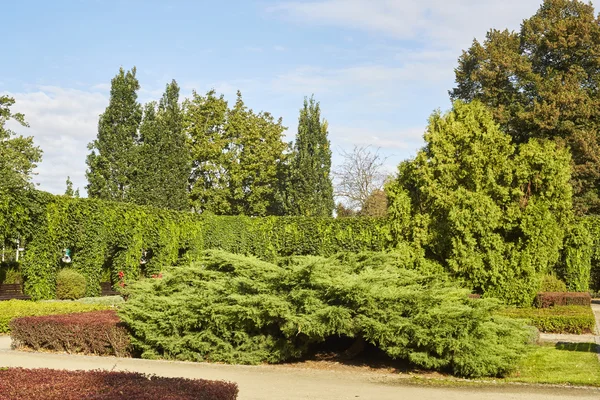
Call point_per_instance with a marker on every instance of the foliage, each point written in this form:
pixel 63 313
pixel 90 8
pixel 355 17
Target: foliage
pixel 236 157
pixel 543 82
pixel 235 309
pixel 309 191
pixel 551 283
pixel 95 332
pixel 493 213
pixel 70 284
pixel 111 163
pixel 376 205
pixel 573 364
pixel 359 177
pixel 162 161
pixel 558 319
pixel 108 237
pixel 577 257
pixel 551 299
pixel 24 308
pixel 18 158
pixel 10 273
pixel 19 383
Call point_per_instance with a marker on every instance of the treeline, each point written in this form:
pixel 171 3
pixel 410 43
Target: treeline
pixel 205 155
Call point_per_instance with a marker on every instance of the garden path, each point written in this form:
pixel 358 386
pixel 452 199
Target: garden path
pixel 293 383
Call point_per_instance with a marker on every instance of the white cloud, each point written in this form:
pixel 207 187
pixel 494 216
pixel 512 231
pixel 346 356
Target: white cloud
pixel 451 23
pixel 62 122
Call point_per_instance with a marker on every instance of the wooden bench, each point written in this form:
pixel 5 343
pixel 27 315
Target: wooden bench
pixel 10 291
pixel 107 290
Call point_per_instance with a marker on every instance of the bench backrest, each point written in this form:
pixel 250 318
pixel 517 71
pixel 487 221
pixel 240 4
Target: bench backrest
pixel 11 288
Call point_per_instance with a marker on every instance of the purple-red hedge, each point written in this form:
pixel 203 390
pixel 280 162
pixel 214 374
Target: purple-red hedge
pixel 48 384
pixel 551 299
pixel 96 332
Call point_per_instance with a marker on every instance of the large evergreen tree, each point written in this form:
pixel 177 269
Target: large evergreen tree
pixel 544 82
pixel 310 190
pixel 162 162
pixel 112 161
pixel 493 213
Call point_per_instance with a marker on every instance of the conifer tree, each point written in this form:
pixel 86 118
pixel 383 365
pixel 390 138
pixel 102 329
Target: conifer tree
pixel 544 82
pixel 69 192
pixel 112 161
pixel 310 192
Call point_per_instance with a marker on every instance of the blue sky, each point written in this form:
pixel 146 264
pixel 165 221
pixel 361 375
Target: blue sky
pixel 378 67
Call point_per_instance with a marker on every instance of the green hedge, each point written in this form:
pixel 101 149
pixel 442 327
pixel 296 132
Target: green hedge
pixel 559 319
pixel 23 308
pixel 107 237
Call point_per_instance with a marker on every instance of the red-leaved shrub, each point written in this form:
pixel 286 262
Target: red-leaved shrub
pixel 551 299
pixel 48 384
pixel 96 332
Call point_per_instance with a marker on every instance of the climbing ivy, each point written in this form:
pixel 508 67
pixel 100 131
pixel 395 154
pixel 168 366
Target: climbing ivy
pixel 106 238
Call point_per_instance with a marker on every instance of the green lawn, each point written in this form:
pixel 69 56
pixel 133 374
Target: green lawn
pixel 572 364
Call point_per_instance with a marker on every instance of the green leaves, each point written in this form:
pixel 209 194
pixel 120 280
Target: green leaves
pixel 543 83
pixel 235 309
pixel 112 160
pixel 494 214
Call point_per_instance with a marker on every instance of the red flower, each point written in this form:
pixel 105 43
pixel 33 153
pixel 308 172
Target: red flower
pixel 121 274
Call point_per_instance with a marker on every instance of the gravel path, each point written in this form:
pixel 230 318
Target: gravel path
pixel 292 383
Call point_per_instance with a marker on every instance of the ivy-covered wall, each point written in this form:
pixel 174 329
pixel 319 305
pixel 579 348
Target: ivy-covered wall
pixel 106 238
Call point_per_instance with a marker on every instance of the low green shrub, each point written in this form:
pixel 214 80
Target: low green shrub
pixel 236 309
pixel 70 285
pixel 551 299
pixel 23 308
pixel 559 319
pixel 551 283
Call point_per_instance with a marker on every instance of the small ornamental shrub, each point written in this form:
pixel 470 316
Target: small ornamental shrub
pixel 96 332
pixel 70 285
pixel 49 384
pixel 23 308
pixel 551 299
pixel 10 273
pixel 559 319
pixel 551 283
pixel 236 309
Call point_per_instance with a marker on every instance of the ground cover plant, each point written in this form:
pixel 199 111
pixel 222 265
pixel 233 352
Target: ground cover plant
pixel 95 332
pixel 47 384
pixel 22 308
pixel 237 309
pixel 558 319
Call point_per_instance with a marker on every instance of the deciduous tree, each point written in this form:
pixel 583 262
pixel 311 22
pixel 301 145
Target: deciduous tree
pixel 544 82
pixel 112 161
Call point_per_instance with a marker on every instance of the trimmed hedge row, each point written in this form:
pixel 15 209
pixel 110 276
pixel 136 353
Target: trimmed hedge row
pixel 48 384
pixel 551 299
pixel 559 319
pixel 107 238
pixel 96 332
pixel 23 308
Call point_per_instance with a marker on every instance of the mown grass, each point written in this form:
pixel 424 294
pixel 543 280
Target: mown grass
pixel 565 364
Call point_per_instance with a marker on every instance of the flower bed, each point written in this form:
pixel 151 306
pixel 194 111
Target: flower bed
pixel 47 384
pixel 21 308
pixel 96 332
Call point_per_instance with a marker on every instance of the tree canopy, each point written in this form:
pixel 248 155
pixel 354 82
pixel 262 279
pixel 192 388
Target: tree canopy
pixel 544 82
pixel 493 213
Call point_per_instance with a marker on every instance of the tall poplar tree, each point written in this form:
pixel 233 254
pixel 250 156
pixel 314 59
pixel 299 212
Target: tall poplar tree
pixel 162 162
pixel 310 190
pixel 112 161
